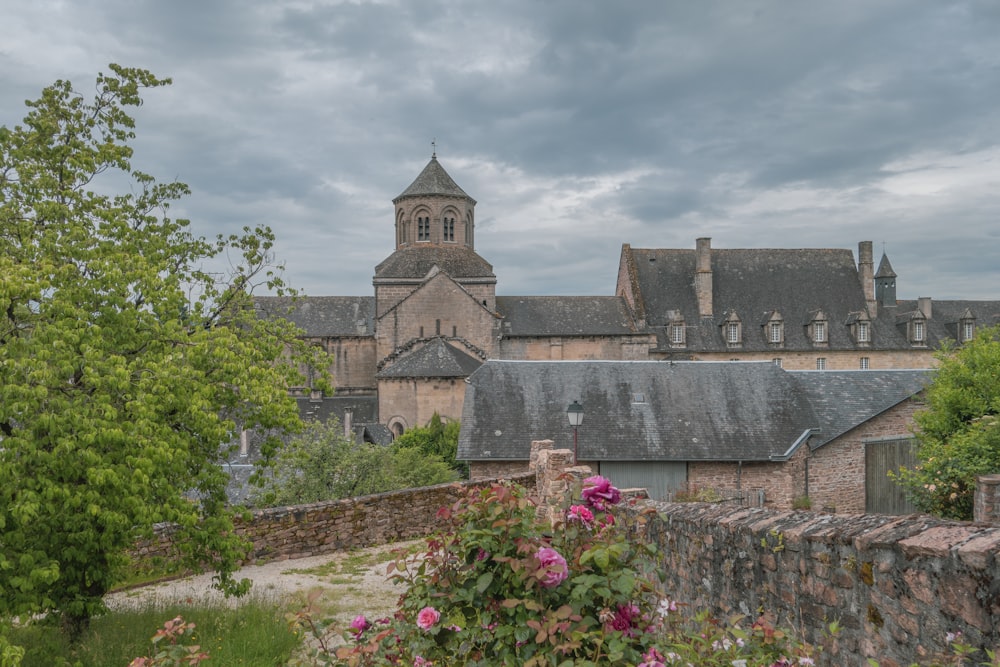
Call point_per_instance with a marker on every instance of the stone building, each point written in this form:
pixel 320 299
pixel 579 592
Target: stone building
pixel 746 430
pixel 435 315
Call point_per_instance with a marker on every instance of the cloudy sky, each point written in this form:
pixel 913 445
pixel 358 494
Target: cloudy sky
pixel 576 125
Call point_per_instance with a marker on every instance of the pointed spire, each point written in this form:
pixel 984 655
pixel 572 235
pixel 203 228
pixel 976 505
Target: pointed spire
pixel 885 268
pixel 433 180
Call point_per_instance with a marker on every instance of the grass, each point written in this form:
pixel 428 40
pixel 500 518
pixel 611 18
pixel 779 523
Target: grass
pixel 354 565
pixel 253 634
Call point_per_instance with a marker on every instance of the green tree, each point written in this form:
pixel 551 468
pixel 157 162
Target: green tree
pixel 437 439
pixel 321 463
pixel 126 368
pixel 958 433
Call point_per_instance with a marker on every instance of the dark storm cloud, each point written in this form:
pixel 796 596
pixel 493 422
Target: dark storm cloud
pixel 578 126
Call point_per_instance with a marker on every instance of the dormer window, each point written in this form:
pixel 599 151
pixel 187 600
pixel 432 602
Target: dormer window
pixel 817 330
pixel 774 329
pixel 732 330
pixel 860 327
pixel 918 331
pixel 968 330
pixel 676 333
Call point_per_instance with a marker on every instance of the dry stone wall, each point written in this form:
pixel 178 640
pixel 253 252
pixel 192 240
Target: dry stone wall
pixel 896 585
pixel 300 531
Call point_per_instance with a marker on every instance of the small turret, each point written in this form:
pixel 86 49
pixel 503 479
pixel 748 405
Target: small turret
pixel 885 284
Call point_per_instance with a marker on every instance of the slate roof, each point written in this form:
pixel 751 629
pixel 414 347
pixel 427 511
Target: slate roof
pixel 752 283
pixel 436 359
pixel 415 262
pixel 663 411
pixel 944 321
pixel 844 399
pixel 565 316
pixel 634 410
pixel 323 315
pixel 433 180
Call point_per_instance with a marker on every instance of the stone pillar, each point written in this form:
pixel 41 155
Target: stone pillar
pixel 986 507
pixel 537 446
pixel 555 478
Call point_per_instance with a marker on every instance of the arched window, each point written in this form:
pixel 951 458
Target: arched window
pixel 449 229
pixel 423 228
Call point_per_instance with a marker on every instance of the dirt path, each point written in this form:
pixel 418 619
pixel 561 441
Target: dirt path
pixel 352 583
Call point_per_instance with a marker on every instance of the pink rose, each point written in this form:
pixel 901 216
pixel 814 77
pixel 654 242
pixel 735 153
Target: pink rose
pixel 359 625
pixel 581 514
pixel 598 492
pixel 652 658
pixel 553 568
pixel 427 618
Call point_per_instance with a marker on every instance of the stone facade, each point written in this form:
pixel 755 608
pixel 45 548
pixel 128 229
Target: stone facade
pixel 408 402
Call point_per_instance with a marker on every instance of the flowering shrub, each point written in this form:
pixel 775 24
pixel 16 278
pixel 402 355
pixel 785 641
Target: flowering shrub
pixel 172 651
pixel 496 587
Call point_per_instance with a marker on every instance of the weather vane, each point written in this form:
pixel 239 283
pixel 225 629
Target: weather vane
pixel 434 151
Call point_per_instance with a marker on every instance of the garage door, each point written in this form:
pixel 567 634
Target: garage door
pixel 657 477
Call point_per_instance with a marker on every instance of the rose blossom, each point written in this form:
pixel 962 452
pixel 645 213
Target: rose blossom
pixel 427 618
pixel 359 625
pixel 652 658
pixel 553 565
pixel 581 514
pixel 623 619
pixel 599 493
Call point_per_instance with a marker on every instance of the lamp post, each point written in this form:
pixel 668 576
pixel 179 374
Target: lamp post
pixel 575 415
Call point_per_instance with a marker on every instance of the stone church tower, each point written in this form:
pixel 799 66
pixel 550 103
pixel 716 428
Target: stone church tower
pixel 435 226
pixel 435 303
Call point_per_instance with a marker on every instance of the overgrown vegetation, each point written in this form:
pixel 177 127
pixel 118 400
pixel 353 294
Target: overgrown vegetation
pixel 321 463
pixel 255 633
pixel 439 439
pixel 126 368
pixel 959 432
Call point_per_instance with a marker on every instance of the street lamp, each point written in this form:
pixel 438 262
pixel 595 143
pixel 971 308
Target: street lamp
pixel 575 415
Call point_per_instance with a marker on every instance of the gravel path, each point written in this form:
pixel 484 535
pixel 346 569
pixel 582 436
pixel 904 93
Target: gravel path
pixel 352 582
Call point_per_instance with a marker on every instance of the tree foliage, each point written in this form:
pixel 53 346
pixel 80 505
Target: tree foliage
pixel 438 438
pixel 958 433
pixel 126 367
pixel 321 463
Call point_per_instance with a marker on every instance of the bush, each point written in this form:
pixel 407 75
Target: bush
pixel 958 433
pixel 496 587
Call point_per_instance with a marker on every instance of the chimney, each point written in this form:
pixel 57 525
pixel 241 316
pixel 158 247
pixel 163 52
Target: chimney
pixel 866 274
pixel 348 425
pixel 924 304
pixel 703 276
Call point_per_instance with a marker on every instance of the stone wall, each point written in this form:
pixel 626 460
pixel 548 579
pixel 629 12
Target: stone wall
pixel 896 585
pixel 300 531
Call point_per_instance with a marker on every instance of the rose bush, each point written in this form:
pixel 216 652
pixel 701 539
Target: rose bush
pixel 496 587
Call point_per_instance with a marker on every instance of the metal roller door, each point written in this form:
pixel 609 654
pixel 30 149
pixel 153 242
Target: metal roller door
pixel 657 477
